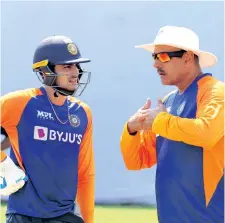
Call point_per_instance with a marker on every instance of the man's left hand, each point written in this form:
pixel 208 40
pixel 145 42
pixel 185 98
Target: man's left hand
pixel 151 114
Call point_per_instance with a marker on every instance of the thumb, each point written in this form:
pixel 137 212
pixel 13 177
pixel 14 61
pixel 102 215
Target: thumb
pixel 147 104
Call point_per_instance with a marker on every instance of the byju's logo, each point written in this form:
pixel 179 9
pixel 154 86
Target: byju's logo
pixel 44 115
pixel 40 133
pixel 44 134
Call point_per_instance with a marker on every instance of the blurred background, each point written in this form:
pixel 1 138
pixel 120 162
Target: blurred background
pixel 122 76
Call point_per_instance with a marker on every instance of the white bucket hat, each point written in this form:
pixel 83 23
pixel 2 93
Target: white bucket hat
pixel 183 38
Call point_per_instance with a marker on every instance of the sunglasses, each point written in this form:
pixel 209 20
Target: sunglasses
pixel 166 56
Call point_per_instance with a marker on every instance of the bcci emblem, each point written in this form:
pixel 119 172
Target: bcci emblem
pixel 74 120
pixel 72 48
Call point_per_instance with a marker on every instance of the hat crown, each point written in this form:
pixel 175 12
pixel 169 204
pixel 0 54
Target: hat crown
pixel 181 36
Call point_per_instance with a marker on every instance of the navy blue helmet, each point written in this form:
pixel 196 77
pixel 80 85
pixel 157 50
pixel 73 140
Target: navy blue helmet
pixel 56 50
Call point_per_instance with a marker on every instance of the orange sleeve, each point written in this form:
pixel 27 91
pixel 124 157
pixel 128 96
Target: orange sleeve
pixel 208 126
pixel 138 151
pixel 12 106
pixel 86 173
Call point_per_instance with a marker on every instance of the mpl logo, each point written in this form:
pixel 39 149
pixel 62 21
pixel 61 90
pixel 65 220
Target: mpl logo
pixel 40 133
pixel 44 134
pixel 44 115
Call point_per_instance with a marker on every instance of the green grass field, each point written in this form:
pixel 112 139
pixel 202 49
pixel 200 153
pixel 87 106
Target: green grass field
pixel 116 214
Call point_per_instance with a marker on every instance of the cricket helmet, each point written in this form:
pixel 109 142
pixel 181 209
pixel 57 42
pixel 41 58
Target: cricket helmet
pixel 58 50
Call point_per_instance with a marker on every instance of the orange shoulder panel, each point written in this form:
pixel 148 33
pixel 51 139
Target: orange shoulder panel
pixel 210 102
pixel 86 169
pixel 12 107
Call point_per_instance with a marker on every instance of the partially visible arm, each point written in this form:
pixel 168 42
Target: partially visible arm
pixel 138 151
pixel 11 102
pixel 206 130
pixel 5 143
pixel 5 120
pixel 14 177
pixel 86 174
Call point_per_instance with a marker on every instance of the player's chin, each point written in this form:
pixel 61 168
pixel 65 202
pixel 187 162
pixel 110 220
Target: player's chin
pixel 165 81
pixel 69 86
pixel 72 87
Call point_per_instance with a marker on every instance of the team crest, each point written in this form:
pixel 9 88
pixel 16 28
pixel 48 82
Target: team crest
pixel 74 120
pixel 72 48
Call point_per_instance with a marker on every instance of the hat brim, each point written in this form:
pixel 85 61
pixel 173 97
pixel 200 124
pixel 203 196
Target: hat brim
pixel 80 60
pixel 206 59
